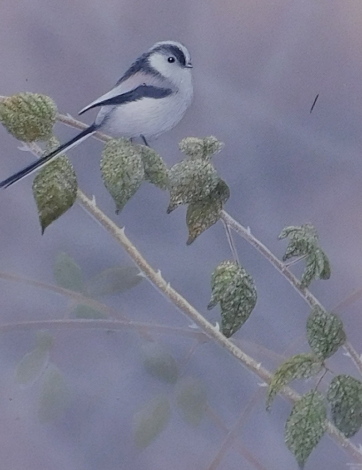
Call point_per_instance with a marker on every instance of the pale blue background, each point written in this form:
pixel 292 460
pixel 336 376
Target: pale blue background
pixel 258 65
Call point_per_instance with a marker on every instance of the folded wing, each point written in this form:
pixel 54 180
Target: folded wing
pixel 136 87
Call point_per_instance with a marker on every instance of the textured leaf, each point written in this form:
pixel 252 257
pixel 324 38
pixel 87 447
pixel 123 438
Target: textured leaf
pixel 325 272
pixel 87 313
pixel 122 170
pixel 156 171
pixel 159 363
pixel 191 397
pixel 54 190
pixel 195 147
pixel 32 365
pixel 114 281
pixel 304 242
pixel 234 289
pixel 203 214
pixel 55 397
pixel 345 397
pixel 28 116
pixel 306 425
pixel 67 273
pixel 150 421
pixel 301 366
pixel 325 332
pixel 310 271
pixel 317 267
pixel 191 181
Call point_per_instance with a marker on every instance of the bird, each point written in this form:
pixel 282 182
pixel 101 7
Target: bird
pixel 149 99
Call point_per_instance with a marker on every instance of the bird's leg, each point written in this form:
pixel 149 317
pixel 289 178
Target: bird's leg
pixel 144 140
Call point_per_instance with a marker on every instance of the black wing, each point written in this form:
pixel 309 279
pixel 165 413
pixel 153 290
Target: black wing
pixel 142 91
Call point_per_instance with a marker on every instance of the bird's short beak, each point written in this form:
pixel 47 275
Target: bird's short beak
pixel 189 65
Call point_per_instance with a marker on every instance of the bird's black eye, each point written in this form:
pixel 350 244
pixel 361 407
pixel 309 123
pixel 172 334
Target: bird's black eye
pixel 171 60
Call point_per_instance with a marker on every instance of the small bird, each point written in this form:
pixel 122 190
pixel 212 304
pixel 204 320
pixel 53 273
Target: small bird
pixel 148 100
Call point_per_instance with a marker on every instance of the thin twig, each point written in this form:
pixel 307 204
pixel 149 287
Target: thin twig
pixel 347 301
pixel 78 297
pixel 233 434
pixel 230 240
pixel 356 358
pixel 97 324
pixel 239 446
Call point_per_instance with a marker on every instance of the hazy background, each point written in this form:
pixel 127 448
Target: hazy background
pixel 258 65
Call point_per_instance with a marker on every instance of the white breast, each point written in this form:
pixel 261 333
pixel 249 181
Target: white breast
pixel 149 117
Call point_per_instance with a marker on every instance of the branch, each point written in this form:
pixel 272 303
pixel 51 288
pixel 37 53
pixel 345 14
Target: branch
pixel 185 307
pixel 356 358
pixel 283 269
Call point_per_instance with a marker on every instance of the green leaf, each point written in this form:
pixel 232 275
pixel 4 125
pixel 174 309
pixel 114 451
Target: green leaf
pixel 67 273
pixel 156 171
pixel 324 332
pixel 203 214
pixel 31 365
pixel 325 272
pixel 28 116
pixel 234 289
pixel 122 170
pixel 317 267
pixel 159 363
pixel 191 397
pixel 191 181
pixel 195 147
pixel 114 281
pixel 150 421
pixel 306 425
pixel 301 366
pixel 87 313
pixel 345 397
pixel 54 190
pixel 55 396
pixel 304 242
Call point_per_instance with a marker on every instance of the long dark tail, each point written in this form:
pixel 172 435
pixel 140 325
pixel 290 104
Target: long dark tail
pixel 48 158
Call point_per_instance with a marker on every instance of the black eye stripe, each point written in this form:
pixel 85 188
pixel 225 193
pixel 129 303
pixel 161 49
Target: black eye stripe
pixel 142 63
pixel 174 50
pixel 180 56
